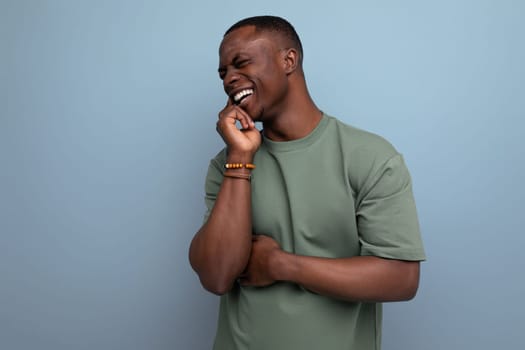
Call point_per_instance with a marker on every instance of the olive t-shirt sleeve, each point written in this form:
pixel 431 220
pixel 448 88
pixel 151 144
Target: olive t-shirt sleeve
pixel 386 215
pixel 213 183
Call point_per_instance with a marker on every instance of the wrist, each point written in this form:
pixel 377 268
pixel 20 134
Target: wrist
pixel 283 266
pixel 236 164
pixel 239 157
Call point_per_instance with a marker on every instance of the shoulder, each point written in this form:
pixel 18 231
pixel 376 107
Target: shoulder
pixel 219 159
pixel 360 143
pixel 367 157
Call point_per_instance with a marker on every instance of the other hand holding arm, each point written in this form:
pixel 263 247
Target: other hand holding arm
pixel 360 278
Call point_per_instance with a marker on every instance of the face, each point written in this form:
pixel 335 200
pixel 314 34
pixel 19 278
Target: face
pixel 252 69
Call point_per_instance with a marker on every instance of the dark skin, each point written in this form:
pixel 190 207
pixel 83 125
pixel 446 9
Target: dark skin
pixel 224 250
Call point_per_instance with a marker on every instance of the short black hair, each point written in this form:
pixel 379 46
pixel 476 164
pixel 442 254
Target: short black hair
pixel 272 24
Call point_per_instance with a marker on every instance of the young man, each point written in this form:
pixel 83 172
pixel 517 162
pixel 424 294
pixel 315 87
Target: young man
pixel 311 223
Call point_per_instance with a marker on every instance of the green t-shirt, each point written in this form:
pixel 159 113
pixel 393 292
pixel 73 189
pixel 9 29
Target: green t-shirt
pixel 338 192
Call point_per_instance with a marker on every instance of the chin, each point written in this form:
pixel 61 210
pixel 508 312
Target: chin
pixel 256 115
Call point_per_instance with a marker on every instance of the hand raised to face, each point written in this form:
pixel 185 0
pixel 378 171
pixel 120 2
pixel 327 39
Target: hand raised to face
pixel 245 140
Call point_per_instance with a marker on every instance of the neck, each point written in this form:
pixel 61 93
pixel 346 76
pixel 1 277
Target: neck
pixel 298 118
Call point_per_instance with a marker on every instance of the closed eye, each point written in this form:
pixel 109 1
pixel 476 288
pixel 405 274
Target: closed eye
pixel 241 63
pixel 237 64
pixel 222 73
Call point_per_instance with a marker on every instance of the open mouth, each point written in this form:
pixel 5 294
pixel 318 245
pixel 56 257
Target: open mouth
pixel 241 95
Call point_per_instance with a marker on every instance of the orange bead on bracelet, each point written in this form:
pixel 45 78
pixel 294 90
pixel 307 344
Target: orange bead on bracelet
pixel 239 165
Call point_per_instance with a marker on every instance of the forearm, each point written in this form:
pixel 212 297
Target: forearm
pixel 362 278
pixel 220 250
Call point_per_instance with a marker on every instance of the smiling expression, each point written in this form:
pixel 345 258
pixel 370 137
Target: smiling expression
pixel 252 69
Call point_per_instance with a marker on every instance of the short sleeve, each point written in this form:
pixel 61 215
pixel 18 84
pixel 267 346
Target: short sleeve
pixel 213 183
pixel 386 215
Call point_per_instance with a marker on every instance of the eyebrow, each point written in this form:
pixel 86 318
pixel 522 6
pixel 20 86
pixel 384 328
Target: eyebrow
pixel 235 59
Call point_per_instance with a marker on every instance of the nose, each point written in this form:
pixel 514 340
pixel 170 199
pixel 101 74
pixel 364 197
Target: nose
pixel 230 77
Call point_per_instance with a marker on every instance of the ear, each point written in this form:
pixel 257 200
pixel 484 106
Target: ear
pixel 291 60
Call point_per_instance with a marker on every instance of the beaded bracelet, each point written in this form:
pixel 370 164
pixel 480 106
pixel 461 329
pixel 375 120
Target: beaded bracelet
pixel 239 166
pixel 238 176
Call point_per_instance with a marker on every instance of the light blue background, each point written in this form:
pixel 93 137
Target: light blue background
pixel 108 123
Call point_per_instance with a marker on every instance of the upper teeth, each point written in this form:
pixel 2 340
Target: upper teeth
pixel 241 94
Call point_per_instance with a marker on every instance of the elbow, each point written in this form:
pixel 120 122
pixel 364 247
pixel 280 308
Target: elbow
pixel 411 283
pixel 217 286
pixel 402 293
pixel 209 280
pixel 409 293
pixel 213 280
pixel 405 282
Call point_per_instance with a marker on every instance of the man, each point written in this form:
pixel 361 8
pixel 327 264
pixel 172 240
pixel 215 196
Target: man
pixel 311 223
